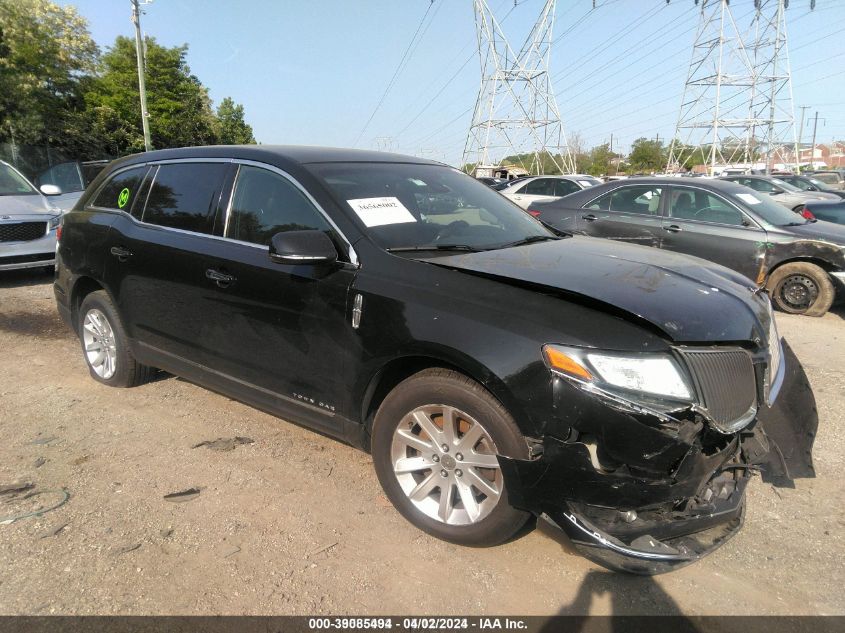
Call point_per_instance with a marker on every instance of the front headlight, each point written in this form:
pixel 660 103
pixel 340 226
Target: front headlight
pixel 655 375
pixel 54 222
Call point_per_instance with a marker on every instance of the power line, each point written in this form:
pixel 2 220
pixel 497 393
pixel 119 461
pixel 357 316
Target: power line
pixel 395 75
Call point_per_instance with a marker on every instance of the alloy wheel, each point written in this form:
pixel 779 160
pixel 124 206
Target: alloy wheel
pixel 100 345
pixel 445 462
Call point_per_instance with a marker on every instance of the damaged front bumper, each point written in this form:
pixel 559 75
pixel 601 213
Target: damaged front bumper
pixel 640 495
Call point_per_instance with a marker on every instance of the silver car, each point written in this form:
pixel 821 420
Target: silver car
pixel 28 222
pixel 782 192
pixel 546 188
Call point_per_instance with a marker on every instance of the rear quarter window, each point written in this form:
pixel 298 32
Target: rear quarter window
pixel 121 191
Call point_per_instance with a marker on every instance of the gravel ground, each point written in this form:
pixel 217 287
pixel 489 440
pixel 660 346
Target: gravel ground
pixel 296 523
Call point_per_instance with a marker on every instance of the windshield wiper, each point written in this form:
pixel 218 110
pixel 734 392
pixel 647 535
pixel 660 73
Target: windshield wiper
pixel 434 247
pixel 530 240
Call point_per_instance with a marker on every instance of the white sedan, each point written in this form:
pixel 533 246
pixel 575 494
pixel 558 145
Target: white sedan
pixel 542 188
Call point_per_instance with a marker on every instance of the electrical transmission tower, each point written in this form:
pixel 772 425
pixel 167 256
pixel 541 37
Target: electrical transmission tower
pixel 772 109
pixel 737 101
pixel 713 123
pixel 516 113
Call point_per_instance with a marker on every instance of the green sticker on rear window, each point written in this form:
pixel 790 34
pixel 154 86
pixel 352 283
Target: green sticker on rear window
pixel 123 198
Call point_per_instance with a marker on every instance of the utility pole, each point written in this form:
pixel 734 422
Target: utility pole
pixel 800 138
pixel 813 149
pixel 142 87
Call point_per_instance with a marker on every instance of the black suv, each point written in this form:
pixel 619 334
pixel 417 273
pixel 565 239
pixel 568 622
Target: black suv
pixel 494 369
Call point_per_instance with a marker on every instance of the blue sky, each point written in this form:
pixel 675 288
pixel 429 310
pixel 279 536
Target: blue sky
pixel 312 72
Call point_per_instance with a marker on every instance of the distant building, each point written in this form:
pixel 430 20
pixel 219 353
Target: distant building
pixel 822 155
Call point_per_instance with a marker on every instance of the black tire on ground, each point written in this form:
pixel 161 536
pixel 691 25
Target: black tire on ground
pixel 127 371
pixel 801 288
pixel 446 387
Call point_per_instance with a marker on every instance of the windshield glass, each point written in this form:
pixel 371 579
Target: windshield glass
pixel 407 206
pixel 13 184
pixel 785 185
pixel 771 211
pixel 818 183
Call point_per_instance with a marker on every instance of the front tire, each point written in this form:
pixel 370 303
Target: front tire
pixel 434 444
pixel 801 288
pixel 105 345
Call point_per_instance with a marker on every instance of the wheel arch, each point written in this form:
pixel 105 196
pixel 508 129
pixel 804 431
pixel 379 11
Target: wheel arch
pixel 394 371
pixel 802 259
pixel 82 287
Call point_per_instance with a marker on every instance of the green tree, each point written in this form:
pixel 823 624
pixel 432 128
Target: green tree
pixel 647 155
pixel 178 104
pixel 45 52
pixel 601 160
pixel 232 129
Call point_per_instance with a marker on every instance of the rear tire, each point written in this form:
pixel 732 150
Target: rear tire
pixel 801 288
pixel 418 459
pixel 105 345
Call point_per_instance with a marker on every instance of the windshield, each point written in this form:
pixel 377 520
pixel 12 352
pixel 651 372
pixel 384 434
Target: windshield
pixel 785 185
pixel 13 184
pixel 771 211
pixel 406 206
pixel 818 183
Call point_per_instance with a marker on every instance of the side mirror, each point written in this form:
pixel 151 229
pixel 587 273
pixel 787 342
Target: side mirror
pixel 302 247
pixel 50 190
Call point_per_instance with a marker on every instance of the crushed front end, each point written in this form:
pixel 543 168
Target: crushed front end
pixel 646 484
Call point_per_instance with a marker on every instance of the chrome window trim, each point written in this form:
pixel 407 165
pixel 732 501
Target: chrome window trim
pixel 353 256
pixel 228 211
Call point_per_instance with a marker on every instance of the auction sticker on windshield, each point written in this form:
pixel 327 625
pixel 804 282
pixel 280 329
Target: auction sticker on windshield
pixel 749 198
pixel 381 211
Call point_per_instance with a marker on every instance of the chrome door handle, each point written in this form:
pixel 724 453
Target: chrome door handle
pixel 673 228
pixel 121 253
pixel 589 217
pixel 221 279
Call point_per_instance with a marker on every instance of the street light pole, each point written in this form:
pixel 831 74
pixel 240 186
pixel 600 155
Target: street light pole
pixel 139 51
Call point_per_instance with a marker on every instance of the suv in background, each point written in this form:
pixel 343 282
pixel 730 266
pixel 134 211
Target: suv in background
pixel 832 178
pixel 809 183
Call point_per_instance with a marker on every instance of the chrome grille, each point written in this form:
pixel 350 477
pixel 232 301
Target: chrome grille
pixel 726 386
pixel 22 231
pixel 774 350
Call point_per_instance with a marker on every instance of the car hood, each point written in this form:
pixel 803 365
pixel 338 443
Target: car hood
pixel 811 195
pixel 689 300
pixel 821 230
pixel 25 206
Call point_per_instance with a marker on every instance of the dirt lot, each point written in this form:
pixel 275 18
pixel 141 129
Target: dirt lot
pixel 296 523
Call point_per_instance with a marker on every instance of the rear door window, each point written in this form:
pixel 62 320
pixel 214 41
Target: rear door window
pixel 186 196
pixel 540 187
pixel 641 199
pixel 565 187
pixel 122 190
